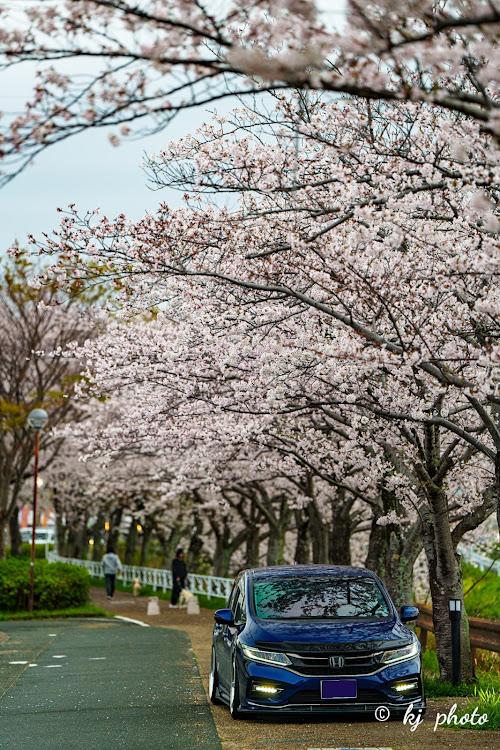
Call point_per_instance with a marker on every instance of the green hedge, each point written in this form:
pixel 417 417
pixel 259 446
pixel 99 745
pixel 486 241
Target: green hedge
pixel 56 586
pixel 26 550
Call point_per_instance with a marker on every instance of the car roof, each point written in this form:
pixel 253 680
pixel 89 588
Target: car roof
pixel 287 571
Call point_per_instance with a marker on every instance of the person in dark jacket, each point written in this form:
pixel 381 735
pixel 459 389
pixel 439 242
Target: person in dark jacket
pixel 179 574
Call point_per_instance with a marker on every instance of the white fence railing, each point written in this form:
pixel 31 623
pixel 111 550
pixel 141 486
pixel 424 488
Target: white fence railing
pixel 213 586
pixel 158 578
pixel 483 562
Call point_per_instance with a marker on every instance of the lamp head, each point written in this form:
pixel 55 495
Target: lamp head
pixel 38 419
pixel 455 609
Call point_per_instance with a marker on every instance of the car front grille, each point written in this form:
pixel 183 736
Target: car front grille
pixel 317 665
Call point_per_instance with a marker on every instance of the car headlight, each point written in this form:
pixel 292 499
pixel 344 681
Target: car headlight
pixel 399 654
pixel 268 657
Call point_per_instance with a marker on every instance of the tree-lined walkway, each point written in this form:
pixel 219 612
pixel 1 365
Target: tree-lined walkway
pixel 69 685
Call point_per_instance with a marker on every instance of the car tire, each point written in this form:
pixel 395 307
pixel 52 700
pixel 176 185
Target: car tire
pixel 213 681
pixel 234 693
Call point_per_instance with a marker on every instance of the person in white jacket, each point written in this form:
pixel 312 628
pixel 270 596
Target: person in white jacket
pixel 111 564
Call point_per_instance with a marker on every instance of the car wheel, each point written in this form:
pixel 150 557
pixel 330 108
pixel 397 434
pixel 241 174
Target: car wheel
pixel 213 681
pixel 234 693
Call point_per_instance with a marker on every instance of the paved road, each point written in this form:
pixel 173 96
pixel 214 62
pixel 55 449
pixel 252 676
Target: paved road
pixel 100 685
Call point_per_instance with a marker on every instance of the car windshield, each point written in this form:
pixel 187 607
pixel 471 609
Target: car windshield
pixel 319 597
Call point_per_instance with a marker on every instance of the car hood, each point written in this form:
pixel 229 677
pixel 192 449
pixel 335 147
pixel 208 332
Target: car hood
pixel 354 635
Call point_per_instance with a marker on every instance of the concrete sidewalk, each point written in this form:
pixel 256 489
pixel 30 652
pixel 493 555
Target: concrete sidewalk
pixel 97 684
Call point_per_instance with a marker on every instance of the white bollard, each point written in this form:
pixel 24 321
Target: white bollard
pixel 153 606
pixel 193 606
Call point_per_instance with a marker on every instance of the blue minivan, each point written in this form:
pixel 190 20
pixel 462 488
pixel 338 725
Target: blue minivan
pixel 314 638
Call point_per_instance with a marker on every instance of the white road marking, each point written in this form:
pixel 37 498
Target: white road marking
pixel 52 635
pixel 18 662
pixel 129 619
pixel 32 665
pixel 59 656
pixel 52 666
pixel 97 658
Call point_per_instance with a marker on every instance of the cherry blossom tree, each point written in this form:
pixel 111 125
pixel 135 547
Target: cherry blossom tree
pixel 33 323
pixel 122 64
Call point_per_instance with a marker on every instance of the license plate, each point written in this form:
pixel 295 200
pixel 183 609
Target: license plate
pixel 339 689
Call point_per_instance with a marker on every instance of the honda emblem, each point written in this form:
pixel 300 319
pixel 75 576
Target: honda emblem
pixel 336 662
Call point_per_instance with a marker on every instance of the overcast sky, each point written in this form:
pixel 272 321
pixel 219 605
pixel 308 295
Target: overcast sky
pixel 86 169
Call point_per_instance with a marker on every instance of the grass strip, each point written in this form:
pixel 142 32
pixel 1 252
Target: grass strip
pixel 484 702
pixel 45 614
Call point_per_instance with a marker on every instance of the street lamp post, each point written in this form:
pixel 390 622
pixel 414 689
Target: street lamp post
pixel 36 419
pixel 455 612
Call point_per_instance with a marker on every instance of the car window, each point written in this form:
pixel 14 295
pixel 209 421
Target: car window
pixel 241 599
pixel 232 596
pixel 238 608
pixel 319 597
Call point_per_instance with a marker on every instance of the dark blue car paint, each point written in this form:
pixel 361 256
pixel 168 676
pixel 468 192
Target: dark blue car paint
pixel 317 637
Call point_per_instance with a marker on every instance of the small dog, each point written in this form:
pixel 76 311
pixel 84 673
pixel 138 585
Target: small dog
pixel 184 597
pixel 190 601
pixel 136 586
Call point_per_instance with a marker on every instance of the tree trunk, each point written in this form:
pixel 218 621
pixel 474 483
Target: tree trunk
pixel 276 542
pixel 171 542
pixel 15 534
pixel 98 534
pixel 302 546
pixel 319 535
pixel 446 582
pixel 61 537
pixel 441 594
pixel 222 558
pixel 274 547
pixel 253 538
pixel 497 486
pixel 84 541
pixel 339 536
pixel 4 516
pixel 78 542
pixel 392 551
pixel 377 545
pixel 225 546
pixel 147 533
pixel 195 546
pixel 3 529
pixel 252 546
pixel 339 548
pixel 131 544
pixel 399 563
pixel 114 528
pixel 74 544
pixel 60 527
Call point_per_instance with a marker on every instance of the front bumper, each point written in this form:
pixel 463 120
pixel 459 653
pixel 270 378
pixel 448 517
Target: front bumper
pixel 300 694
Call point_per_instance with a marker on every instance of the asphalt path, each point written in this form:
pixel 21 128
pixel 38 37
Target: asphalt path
pixel 100 685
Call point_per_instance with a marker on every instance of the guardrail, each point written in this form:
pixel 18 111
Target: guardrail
pixel 483 562
pixel 483 634
pixel 158 578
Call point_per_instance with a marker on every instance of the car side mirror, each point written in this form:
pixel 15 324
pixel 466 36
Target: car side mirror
pixel 409 613
pixel 224 617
